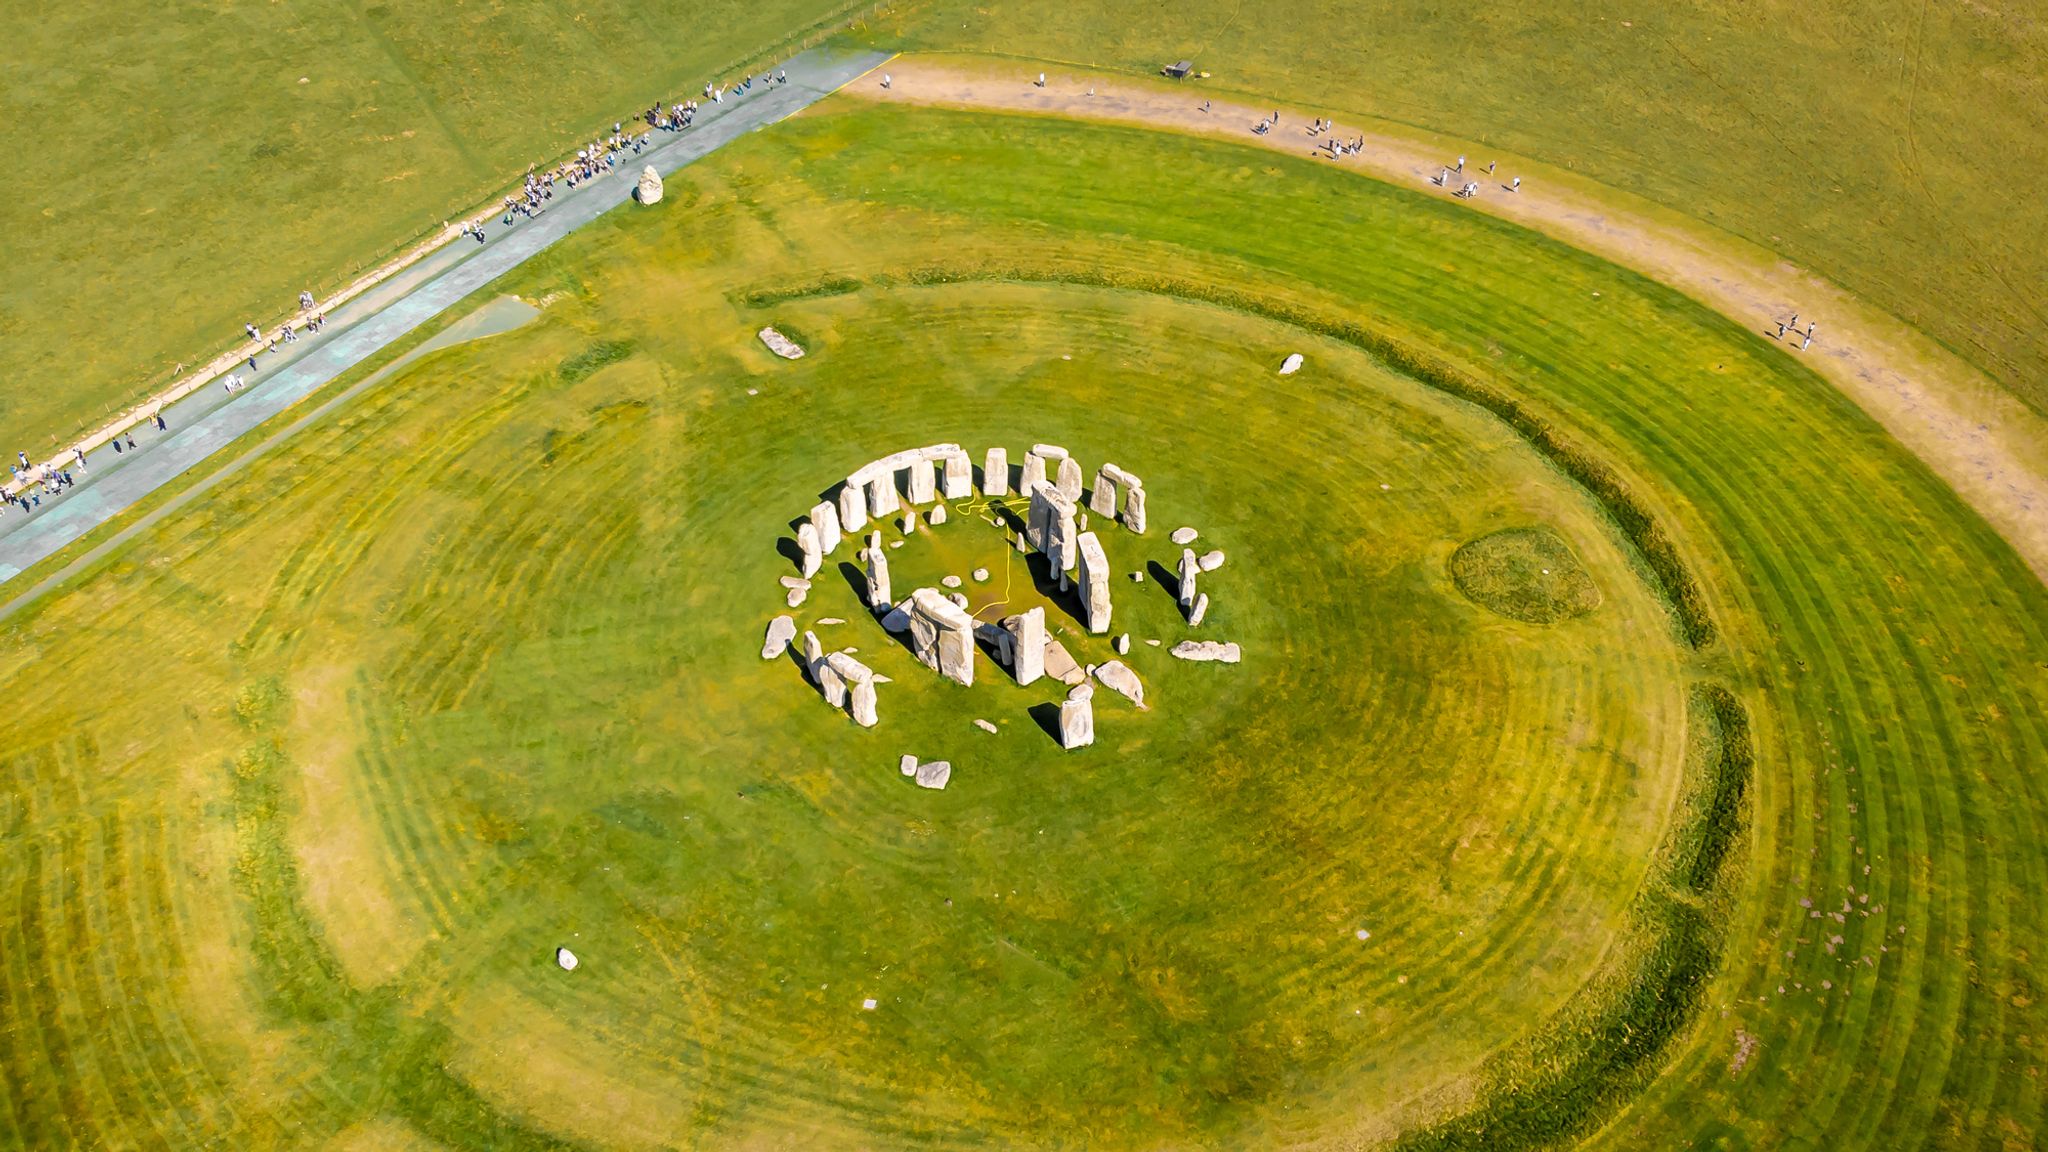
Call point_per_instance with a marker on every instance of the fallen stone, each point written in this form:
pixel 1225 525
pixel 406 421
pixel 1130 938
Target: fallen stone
pixel 908 764
pixel 1202 650
pixel 1153 643
pixel 937 516
pixel 957 598
pixel 781 631
pixel 985 726
pixel 566 959
pixel 795 582
pixel 898 619
pixel 1211 560
pixel 934 775
pixel 895 543
pixel 950 581
pixel 1200 610
pixel 981 575
pixel 795 598
pixel 1118 678
pixel 1291 365
pixel 781 345
pixel 1184 535
pixel 830 620
pixel 1060 665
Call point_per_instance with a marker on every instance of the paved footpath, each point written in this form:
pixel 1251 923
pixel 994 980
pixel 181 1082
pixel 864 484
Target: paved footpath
pixel 208 421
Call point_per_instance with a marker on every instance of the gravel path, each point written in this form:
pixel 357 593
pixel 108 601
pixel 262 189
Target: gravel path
pixel 1987 445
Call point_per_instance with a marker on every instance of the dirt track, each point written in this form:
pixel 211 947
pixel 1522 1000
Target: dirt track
pixel 1988 446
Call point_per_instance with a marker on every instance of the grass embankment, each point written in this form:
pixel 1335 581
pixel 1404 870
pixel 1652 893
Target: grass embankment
pixel 179 180
pixel 518 614
pixel 1868 142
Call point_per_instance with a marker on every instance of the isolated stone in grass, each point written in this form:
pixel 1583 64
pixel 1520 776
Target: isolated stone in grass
pixel 1077 717
pixel 1122 644
pixel 934 775
pixel 981 575
pixel 1211 560
pixel 1138 577
pixel 830 620
pixel 1291 365
pixel 781 631
pixel 909 521
pixel 907 765
pixel 1526 574
pixel 795 599
pixel 938 515
pixel 984 725
pixel 868 1004
pixel 648 191
pixel 795 582
pixel 1060 665
pixel 566 959
pixel 781 345
pixel 950 581
pixel 1204 650
pixel 1184 535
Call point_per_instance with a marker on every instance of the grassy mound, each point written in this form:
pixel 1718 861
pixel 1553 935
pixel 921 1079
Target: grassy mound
pixel 1526 574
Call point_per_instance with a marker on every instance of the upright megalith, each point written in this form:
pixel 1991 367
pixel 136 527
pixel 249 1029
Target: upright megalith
pixel 1027 644
pixel 882 496
pixel 853 687
pixel 1093 579
pixel 958 482
pixel 1035 462
pixel 853 507
pixel 1189 566
pixel 1077 717
pixel 877 560
pixel 807 544
pixel 1102 497
pixel 648 190
pixel 1134 505
pixel 1069 480
pixel 942 635
pixel 995 472
pixel 825 522
pixel 922 484
pixel 1050 528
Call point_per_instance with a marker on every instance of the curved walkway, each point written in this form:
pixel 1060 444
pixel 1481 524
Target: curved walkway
pixel 207 421
pixel 1986 444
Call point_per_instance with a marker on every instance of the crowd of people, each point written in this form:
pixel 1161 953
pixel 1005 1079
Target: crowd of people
pixel 34 482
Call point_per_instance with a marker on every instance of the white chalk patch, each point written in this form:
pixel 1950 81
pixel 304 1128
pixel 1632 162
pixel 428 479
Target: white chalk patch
pixel 1291 365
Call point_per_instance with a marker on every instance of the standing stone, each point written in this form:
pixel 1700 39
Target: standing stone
pixel 1070 478
pixel 1123 644
pixel 921 482
pixel 909 524
pixel 1077 717
pixel 1188 568
pixel 942 635
pixel 831 683
pixel 648 191
pixel 1043 527
pixel 781 631
pixel 937 515
pixel 853 507
pixel 1201 609
pixel 1134 506
pixel 1094 581
pixel 878 574
pixel 862 702
pixel 807 542
pixel 882 498
pixel 995 472
pixel 959 481
pixel 1035 462
pixel 813 652
pixel 1027 644
pixel 1102 498
pixel 825 522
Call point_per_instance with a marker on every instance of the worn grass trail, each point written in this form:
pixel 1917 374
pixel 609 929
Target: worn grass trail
pixel 486 648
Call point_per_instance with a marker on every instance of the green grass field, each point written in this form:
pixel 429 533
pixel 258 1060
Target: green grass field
pixel 1889 146
pixel 177 179
pixel 304 787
